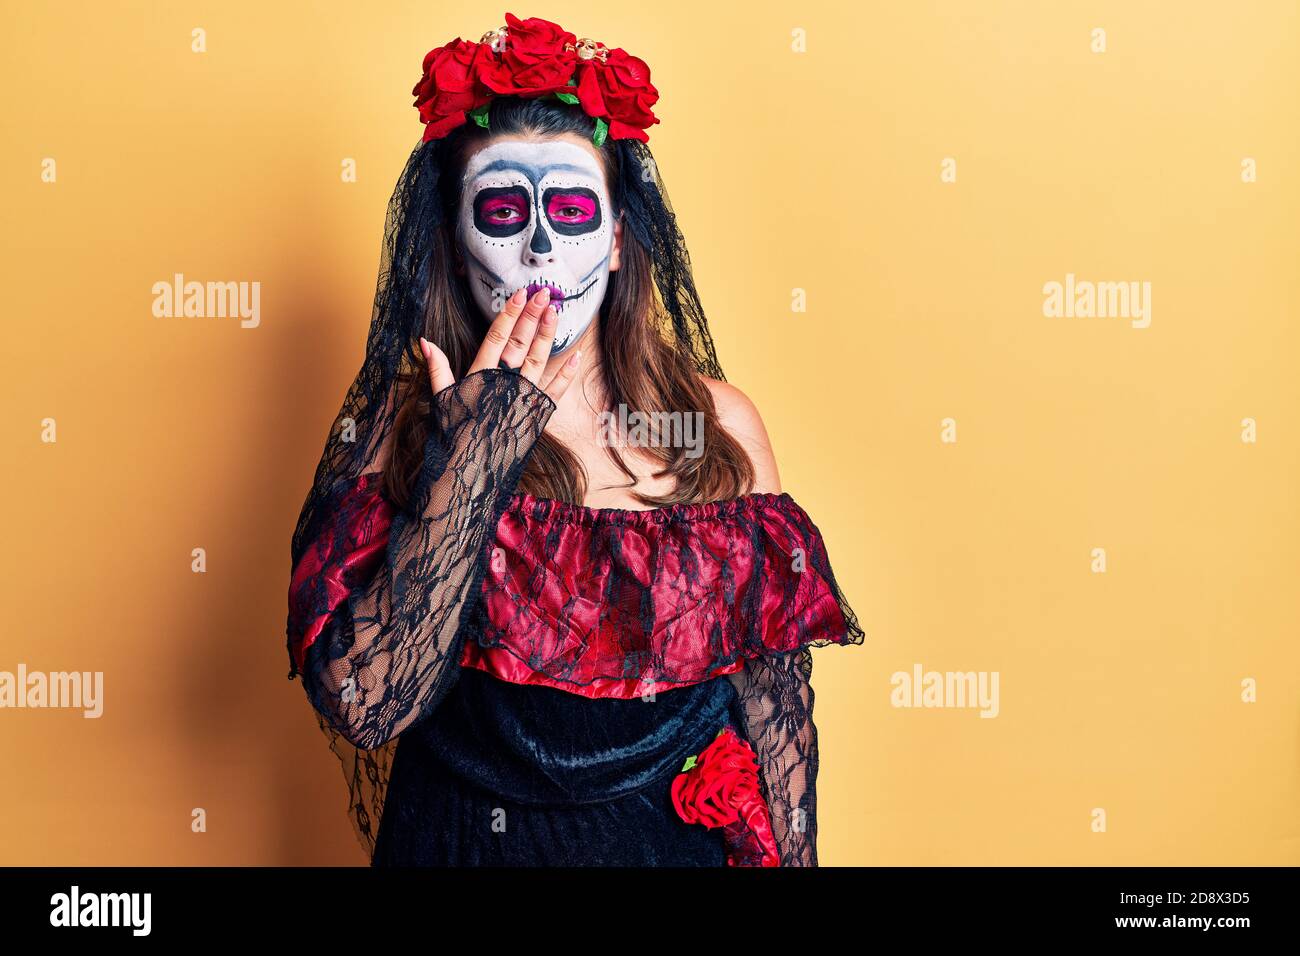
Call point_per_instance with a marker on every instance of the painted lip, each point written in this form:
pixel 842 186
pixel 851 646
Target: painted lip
pixel 557 296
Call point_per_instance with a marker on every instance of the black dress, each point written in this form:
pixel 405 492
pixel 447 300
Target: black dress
pixel 506 774
pixel 561 685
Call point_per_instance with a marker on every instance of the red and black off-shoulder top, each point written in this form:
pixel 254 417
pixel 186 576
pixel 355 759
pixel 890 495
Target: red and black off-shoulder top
pixel 613 602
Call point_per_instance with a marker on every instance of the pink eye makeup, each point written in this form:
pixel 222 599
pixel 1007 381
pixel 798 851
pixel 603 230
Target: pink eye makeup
pixel 504 210
pixel 501 210
pixel 572 210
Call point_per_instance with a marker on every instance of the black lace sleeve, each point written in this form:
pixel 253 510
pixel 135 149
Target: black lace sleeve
pixel 390 649
pixel 774 703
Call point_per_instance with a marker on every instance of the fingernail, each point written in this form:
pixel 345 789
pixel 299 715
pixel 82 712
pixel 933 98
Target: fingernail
pixel 541 295
pixel 518 297
pixel 574 358
pixel 549 314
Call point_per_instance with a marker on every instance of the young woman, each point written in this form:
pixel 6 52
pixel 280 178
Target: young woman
pixel 548 599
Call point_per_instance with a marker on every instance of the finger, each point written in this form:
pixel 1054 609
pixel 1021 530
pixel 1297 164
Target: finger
pixel 564 376
pixel 540 351
pixel 440 376
pixel 525 328
pixel 498 333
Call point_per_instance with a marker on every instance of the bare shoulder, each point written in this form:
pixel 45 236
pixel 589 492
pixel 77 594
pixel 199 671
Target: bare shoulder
pixel 740 417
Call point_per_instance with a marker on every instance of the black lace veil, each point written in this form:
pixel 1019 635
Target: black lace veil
pixel 416 212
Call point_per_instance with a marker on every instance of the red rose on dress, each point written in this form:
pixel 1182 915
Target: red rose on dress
pixel 710 791
pixel 721 789
pixel 450 86
pixel 619 90
pixel 534 60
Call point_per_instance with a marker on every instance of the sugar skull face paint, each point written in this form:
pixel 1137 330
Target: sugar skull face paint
pixel 537 215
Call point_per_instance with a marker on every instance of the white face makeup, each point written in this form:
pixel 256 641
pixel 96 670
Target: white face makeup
pixel 536 214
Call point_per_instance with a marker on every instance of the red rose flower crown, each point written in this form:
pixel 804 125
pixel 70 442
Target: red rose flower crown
pixel 535 58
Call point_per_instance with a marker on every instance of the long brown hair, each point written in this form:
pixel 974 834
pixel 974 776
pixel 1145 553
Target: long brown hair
pixel 641 370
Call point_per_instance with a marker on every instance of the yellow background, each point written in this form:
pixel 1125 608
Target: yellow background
pixel 817 171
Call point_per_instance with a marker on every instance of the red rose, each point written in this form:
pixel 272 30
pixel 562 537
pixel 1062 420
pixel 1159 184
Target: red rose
pixel 449 86
pixel 712 792
pixel 721 789
pixel 620 91
pixel 537 57
pixel 534 39
pixel 534 60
